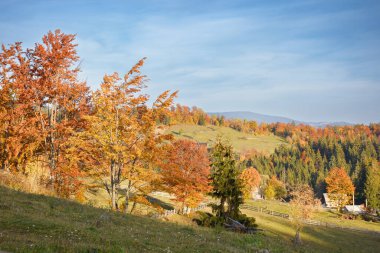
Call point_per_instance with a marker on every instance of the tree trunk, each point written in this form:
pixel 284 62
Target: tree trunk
pixel 183 207
pixel 297 239
pixel 51 149
pixel 127 196
pixel 4 152
pixel 113 186
pixel 221 207
pixel 133 207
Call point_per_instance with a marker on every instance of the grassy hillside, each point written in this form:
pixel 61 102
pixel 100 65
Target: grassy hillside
pixel 318 238
pixel 240 141
pixel 323 215
pixel 35 223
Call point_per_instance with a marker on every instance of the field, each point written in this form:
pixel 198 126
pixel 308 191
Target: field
pixel 35 223
pixel 323 215
pixel 240 141
pixel 318 239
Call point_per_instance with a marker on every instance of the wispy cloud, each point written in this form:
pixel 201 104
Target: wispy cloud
pixel 310 60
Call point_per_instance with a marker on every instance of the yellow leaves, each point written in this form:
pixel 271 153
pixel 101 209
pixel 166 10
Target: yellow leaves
pixel 165 99
pixel 135 69
pixel 141 200
pixel 46 111
pixel 251 180
pixel 303 204
pixel 339 182
pixel 339 186
pixel 122 130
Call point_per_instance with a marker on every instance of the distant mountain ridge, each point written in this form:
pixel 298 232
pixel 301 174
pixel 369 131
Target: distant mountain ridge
pixel 263 118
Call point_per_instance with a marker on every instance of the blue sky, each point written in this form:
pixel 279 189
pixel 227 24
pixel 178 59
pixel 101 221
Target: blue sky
pixel 308 60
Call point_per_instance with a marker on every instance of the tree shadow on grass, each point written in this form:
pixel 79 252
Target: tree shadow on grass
pixel 320 239
pixel 159 202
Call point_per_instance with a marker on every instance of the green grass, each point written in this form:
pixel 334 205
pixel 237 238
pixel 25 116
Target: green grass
pixel 240 141
pixel 318 239
pixel 36 223
pixel 321 215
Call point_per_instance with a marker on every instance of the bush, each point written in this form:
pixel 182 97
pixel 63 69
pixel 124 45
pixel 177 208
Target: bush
pixel 349 216
pixel 21 182
pixel 368 217
pixel 249 222
pixel 209 220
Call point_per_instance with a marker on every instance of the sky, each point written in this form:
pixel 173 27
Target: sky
pixel 304 59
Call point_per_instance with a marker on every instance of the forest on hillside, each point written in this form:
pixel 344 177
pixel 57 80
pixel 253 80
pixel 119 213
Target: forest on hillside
pixel 312 154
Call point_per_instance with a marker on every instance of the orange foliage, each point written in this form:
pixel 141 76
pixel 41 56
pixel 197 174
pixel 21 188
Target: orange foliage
pixel 339 182
pixel 42 104
pixel 251 179
pixel 185 170
pixel 19 136
pixel 339 186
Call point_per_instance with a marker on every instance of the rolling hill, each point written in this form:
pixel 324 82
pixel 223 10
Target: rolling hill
pixel 240 141
pixel 263 118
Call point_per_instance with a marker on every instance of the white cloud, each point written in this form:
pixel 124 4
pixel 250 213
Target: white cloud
pixel 268 58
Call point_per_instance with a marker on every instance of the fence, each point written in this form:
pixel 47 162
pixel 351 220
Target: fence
pixel 309 222
pixel 265 210
pixel 186 210
pixel 333 225
pixel 272 213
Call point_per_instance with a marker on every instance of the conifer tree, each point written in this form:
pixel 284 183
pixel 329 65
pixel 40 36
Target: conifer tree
pixel 372 186
pixel 225 182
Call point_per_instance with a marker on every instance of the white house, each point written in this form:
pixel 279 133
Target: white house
pixel 329 203
pixel 354 209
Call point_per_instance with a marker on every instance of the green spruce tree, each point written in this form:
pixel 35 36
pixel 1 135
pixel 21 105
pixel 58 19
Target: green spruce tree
pixel 372 186
pixel 225 182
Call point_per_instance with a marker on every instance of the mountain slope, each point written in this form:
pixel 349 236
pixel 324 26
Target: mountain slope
pixel 240 141
pixel 253 116
pixel 263 118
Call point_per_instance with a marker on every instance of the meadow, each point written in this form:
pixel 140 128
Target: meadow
pixel 36 223
pixel 239 140
pixel 322 214
pixel 316 238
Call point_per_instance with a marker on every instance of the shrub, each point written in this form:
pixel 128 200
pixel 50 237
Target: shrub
pixel 209 220
pixel 368 217
pixel 21 182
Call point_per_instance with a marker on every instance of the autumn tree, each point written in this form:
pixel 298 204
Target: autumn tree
pixel 42 104
pixel 303 204
pixel 18 130
pixel 60 99
pixel 122 132
pixel 251 181
pixel 339 186
pixel 274 189
pixel 185 171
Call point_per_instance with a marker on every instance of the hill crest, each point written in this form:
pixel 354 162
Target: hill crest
pixel 264 118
